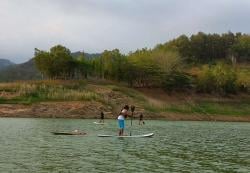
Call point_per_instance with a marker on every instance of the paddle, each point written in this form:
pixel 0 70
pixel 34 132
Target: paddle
pixel 132 110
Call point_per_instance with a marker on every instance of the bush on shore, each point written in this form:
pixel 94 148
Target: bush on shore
pixel 220 78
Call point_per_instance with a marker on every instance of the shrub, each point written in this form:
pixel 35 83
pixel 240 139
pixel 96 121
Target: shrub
pixel 243 82
pixel 220 78
pixel 205 80
pixel 176 81
pixel 225 78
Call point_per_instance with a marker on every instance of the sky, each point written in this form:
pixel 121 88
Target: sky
pixel 95 25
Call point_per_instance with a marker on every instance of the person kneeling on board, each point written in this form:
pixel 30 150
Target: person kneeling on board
pixel 121 119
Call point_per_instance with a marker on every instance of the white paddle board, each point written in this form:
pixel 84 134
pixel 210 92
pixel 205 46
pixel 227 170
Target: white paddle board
pixel 133 136
pixel 98 123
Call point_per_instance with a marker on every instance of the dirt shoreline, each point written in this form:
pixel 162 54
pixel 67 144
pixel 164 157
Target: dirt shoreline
pixel 91 110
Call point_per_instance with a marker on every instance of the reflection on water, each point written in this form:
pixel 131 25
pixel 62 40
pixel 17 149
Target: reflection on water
pixel 28 146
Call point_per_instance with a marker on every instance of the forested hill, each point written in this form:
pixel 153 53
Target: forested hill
pixel 24 71
pixel 27 70
pixel 5 63
pixel 209 63
pixel 87 55
pixel 201 62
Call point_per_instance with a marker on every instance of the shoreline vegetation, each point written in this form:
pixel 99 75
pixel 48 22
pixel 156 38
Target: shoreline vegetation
pixel 86 99
pixel 201 77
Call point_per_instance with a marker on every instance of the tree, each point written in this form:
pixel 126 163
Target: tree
pixel 43 62
pixel 57 63
pixel 241 49
pixel 83 66
pixel 143 71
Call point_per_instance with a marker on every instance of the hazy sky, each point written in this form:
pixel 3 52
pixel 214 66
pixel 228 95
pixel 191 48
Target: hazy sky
pixel 95 25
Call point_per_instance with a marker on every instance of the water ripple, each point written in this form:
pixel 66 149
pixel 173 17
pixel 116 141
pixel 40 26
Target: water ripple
pixel 28 146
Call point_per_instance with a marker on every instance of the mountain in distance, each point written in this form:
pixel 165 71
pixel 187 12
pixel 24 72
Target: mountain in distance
pixel 28 70
pixel 5 63
pixel 24 71
pixel 87 55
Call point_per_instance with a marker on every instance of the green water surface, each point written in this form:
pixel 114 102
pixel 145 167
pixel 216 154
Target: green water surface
pixel 27 145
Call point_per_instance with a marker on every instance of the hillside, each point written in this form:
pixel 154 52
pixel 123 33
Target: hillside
pixel 4 63
pixel 24 71
pixel 27 70
pixel 86 99
pixel 87 55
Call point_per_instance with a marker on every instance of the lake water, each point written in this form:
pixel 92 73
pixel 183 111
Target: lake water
pixel 26 145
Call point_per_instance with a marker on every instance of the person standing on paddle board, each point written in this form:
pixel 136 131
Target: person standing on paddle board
pixel 141 119
pixel 101 118
pixel 121 119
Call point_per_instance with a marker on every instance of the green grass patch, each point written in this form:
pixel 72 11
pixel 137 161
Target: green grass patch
pixel 36 91
pixel 129 92
pixel 205 108
pixel 225 108
pixel 20 100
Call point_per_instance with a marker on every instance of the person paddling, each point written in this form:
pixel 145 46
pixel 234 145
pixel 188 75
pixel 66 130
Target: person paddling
pixel 101 118
pixel 121 119
pixel 141 119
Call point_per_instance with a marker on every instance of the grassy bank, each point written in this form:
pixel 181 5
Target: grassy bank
pixel 115 95
pixel 204 107
pixel 38 91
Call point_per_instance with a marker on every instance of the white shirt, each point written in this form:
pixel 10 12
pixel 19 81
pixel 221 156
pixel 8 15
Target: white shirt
pixel 121 116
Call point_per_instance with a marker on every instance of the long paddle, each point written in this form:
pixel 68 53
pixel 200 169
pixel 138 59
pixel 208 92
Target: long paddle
pixel 131 119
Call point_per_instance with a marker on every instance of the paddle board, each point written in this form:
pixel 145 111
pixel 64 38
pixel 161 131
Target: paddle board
pixel 133 136
pixel 98 123
pixel 69 133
